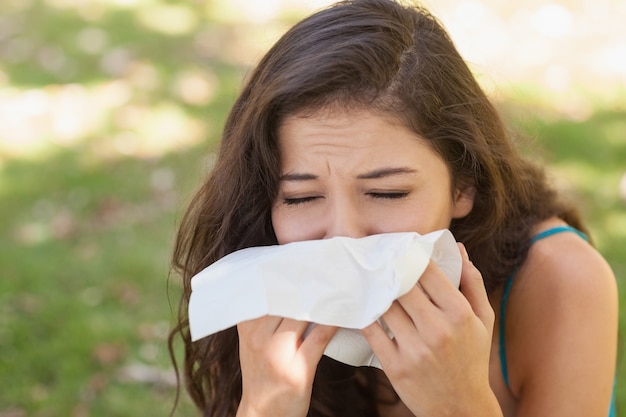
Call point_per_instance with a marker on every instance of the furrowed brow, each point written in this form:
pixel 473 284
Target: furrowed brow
pixel 295 176
pixel 386 172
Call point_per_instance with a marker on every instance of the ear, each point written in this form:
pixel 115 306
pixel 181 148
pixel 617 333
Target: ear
pixel 463 201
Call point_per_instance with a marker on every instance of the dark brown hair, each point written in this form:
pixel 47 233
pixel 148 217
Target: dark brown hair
pixel 375 54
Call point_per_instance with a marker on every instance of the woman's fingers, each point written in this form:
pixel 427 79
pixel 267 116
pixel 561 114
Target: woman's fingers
pixel 442 340
pixel 473 288
pixel 380 342
pixel 315 342
pixel 438 288
pixel 290 331
pixel 278 363
pixel 256 333
pixel 414 311
pixel 289 334
pixel 441 293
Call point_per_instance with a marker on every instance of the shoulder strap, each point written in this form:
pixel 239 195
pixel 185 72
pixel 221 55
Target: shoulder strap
pixel 555 230
pixel 507 290
pixel 503 303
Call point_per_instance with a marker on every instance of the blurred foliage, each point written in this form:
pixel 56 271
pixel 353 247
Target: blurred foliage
pixel 105 110
pixel 110 112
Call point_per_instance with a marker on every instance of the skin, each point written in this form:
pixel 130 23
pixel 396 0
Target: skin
pixel 566 365
pixel 361 173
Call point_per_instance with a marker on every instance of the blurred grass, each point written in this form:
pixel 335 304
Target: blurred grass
pixel 88 212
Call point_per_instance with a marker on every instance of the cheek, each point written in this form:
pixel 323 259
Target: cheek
pixel 290 228
pixel 277 224
pixel 421 218
pixel 405 222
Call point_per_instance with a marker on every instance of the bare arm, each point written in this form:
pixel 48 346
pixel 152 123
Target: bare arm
pixel 562 330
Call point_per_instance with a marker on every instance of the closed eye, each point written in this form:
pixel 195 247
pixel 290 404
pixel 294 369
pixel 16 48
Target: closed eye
pixel 395 195
pixel 299 200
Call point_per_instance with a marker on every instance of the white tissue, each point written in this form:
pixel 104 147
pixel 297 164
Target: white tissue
pixel 342 281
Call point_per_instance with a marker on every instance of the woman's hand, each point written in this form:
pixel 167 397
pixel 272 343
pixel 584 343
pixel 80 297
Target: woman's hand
pixel 278 365
pixel 438 360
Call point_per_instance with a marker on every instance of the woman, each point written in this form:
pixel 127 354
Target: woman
pixel 364 119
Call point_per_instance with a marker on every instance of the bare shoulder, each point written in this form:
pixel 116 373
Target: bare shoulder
pixel 562 324
pixel 566 263
pixel 563 275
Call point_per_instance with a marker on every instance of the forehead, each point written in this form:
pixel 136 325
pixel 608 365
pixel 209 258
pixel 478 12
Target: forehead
pixel 352 140
pixel 358 121
pixel 358 125
pixel 336 134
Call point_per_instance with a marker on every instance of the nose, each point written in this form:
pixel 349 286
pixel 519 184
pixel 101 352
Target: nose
pixel 343 218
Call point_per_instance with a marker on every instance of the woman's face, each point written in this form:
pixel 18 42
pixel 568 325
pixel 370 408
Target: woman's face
pixel 357 174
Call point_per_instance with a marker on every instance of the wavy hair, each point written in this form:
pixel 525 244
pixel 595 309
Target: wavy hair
pixel 377 54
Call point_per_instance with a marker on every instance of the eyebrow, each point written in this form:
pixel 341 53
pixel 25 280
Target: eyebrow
pixel 386 172
pixel 298 177
pixel 378 173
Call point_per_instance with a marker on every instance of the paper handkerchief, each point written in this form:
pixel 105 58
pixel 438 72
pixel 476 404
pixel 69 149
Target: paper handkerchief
pixel 342 281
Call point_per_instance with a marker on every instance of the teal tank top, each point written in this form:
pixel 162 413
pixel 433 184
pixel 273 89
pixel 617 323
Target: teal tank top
pixel 505 298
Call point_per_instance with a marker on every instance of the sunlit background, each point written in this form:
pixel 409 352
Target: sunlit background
pixel 110 111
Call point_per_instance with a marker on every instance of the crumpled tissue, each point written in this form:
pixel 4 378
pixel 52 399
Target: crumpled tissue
pixel 341 281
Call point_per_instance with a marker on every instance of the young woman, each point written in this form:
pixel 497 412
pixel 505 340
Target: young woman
pixel 363 119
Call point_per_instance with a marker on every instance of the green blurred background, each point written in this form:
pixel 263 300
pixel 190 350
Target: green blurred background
pixel 110 111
